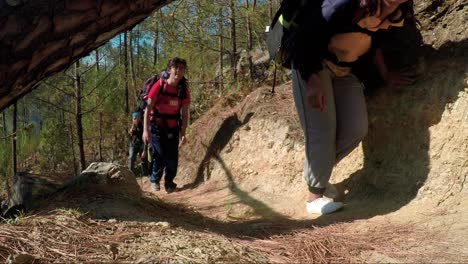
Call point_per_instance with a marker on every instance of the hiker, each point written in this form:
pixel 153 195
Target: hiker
pixel 164 129
pixel 137 147
pixel 329 99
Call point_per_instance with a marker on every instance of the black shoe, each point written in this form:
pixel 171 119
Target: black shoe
pixel 170 188
pixel 155 186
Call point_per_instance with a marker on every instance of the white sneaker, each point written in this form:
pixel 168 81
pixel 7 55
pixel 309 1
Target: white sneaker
pixel 323 206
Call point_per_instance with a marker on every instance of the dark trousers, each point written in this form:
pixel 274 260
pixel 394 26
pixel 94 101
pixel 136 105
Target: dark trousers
pixel 165 154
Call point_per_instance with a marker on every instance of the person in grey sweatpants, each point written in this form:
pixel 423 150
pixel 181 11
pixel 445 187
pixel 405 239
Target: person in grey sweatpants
pixel 323 50
pixel 332 133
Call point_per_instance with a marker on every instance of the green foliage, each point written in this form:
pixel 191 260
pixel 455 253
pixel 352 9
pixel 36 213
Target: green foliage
pixel 54 147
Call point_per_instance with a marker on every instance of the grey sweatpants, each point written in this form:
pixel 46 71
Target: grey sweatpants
pixel 334 133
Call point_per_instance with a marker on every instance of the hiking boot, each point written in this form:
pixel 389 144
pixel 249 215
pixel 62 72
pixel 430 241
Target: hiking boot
pixel 155 186
pixel 323 206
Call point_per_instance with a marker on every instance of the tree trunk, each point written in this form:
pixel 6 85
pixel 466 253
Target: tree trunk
pixel 78 116
pixel 24 114
pixel 270 10
pixel 120 48
pixel 221 48
pixel 132 68
pixel 249 37
pixel 4 123
pixel 13 140
pixel 72 144
pixel 155 44
pixel 100 136
pixel 97 59
pixel 126 72
pixel 232 19
pixel 137 43
pixel 199 33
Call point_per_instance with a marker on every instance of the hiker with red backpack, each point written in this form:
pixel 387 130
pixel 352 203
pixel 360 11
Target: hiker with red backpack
pixel 165 123
pixel 330 37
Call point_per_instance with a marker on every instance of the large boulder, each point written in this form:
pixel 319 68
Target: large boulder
pixel 104 177
pixel 25 192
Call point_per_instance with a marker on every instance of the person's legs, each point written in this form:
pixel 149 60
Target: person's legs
pixel 171 150
pixel 319 132
pixel 157 155
pixel 351 114
pixel 320 142
pixel 131 157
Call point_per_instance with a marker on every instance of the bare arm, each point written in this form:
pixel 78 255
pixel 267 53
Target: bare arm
pixel 315 93
pixel 392 78
pixel 185 111
pixel 146 132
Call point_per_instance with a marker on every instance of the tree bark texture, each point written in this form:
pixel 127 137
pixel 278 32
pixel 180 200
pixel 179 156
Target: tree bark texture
pixel 249 37
pixel 155 44
pixel 221 47
pixel 232 19
pixel 96 53
pixel 13 140
pixel 78 116
pixel 72 146
pixel 126 71
pixel 131 49
pixel 40 38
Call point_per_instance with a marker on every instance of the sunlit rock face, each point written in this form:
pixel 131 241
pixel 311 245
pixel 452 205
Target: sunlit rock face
pixel 39 38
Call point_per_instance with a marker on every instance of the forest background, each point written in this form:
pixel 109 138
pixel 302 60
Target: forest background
pixel 84 114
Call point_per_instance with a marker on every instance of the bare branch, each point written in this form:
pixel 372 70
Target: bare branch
pixel 101 81
pixel 97 105
pixel 54 105
pixel 58 89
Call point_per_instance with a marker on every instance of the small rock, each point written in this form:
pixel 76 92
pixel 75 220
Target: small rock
pixel 271 144
pixel 164 225
pixel 112 221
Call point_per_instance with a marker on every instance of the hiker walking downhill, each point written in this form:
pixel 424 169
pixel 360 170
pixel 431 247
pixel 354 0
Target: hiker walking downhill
pixel 329 99
pixel 165 123
pixel 137 147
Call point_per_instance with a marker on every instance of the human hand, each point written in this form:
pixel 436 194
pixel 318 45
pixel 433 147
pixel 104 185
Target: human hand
pixel 399 78
pixel 315 93
pixel 183 140
pixel 144 154
pixel 146 136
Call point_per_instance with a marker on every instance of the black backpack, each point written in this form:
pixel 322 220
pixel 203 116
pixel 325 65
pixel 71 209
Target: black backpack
pixel 143 97
pixel 287 18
